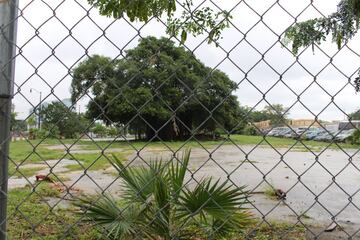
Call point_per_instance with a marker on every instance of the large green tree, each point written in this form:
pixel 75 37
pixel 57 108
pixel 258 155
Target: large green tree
pixel 342 24
pixel 277 113
pixel 159 89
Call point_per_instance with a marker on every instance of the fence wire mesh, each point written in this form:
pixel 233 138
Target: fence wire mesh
pixel 102 99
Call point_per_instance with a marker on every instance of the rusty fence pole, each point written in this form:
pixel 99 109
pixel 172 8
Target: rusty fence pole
pixel 8 32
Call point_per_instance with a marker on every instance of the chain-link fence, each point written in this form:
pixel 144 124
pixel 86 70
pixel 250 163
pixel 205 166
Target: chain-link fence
pixel 220 131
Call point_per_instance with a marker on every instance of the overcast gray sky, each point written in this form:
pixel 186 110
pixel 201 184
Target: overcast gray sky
pixel 53 71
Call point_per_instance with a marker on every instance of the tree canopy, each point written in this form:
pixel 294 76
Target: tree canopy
pixel 276 113
pixel 355 115
pixel 343 25
pixel 158 89
pixel 193 19
pixel 57 117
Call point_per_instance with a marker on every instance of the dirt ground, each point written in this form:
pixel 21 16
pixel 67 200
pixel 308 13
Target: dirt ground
pixel 321 187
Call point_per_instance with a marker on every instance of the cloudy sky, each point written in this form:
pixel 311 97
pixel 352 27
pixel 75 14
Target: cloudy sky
pixel 48 52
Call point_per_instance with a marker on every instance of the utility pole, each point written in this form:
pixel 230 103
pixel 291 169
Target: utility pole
pixel 8 31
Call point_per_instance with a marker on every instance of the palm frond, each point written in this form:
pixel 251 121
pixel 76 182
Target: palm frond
pixel 213 198
pixel 118 223
pixel 177 174
pixel 159 206
pixel 237 221
pixel 139 182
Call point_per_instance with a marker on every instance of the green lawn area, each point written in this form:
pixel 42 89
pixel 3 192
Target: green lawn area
pixel 36 151
pixel 31 218
pixel 34 219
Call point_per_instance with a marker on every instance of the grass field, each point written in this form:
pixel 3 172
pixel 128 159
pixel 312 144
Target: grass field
pixel 37 151
pixel 34 219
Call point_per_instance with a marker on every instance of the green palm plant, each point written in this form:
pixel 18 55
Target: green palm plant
pixel 156 203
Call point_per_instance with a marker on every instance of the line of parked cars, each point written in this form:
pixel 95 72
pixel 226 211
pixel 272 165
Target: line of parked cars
pixel 313 133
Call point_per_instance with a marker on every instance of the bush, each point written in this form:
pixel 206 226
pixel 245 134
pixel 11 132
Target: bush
pixel 112 131
pixel 158 204
pixel 355 137
pixel 32 133
pixel 45 132
pixel 99 129
pixel 250 130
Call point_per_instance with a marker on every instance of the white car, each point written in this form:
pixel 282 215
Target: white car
pixel 344 134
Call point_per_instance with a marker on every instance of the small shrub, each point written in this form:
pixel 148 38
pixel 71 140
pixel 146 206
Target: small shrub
pixel 99 129
pixel 355 137
pixel 158 204
pixel 45 132
pixel 250 130
pixel 112 131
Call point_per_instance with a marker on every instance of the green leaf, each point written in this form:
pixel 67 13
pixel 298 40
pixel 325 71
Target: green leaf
pixel 177 173
pixel 183 36
pixel 339 40
pixel 118 223
pixel 209 197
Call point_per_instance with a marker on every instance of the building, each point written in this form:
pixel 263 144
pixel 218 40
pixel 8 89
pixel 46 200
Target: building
pixel 263 124
pixel 346 125
pixel 295 123
pixel 304 123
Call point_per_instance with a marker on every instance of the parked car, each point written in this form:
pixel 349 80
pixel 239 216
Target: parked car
pixel 312 133
pixel 299 132
pixel 284 132
pixel 330 137
pixel 326 136
pixel 344 134
pixel 275 131
pixel 290 133
pixel 321 136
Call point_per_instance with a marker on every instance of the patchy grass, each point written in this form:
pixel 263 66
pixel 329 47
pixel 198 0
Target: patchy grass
pixel 45 189
pixel 37 151
pixel 34 219
pixel 24 152
pixel 95 161
pixel 34 151
pixel 238 139
pixel 275 231
pixel 25 172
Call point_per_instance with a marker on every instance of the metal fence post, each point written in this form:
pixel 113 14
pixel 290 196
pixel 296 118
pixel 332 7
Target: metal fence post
pixel 8 30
